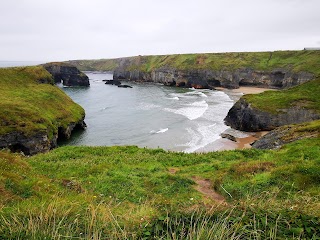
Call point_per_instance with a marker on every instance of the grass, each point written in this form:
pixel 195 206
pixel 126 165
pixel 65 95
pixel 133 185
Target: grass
pixel 296 61
pixel 28 105
pixel 130 193
pixel 305 96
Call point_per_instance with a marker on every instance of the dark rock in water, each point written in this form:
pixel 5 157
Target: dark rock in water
pixel 228 136
pixel 124 86
pixel 244 117
pixel 68 74
pixel 112 82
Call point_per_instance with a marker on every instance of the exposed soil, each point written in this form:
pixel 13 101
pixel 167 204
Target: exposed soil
pixel 204 186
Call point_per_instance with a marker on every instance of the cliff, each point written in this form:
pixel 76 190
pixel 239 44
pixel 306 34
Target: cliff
pixel 34 113
pixel 67 74
pixel 281 69
pixel 287 134
pixel 272 109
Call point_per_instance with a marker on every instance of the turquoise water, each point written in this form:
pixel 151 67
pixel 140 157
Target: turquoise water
pixel 149 115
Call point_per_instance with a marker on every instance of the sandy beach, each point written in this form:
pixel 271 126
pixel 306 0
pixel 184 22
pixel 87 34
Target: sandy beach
pixel 246 138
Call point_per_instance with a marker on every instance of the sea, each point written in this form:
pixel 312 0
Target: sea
pixel 149 115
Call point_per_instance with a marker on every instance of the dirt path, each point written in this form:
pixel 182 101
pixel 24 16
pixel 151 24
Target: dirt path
pixel 204 186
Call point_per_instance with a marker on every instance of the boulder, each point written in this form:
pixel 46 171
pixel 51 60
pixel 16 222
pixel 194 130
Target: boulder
pixel 228 136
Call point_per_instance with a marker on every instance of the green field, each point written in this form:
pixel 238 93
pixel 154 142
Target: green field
pixel 135 193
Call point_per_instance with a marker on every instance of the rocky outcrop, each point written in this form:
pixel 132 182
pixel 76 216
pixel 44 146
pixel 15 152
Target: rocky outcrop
pixel 244 117
pixel 278 78
pixel 39 142
pixel 112 82
pixel 287 134
pixel 67 74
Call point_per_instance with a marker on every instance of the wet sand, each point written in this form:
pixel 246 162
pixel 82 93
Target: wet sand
pixel 250 137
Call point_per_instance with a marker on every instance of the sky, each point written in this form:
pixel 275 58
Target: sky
pixel 58 30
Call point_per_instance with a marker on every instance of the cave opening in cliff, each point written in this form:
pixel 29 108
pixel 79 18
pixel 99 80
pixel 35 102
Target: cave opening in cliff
pixel 278 79
pixel 214 83
pixel 18 147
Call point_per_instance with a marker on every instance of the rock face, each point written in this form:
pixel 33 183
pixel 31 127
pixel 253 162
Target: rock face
pixel 39 142
pixel 283 135
pixel 244 117
pixel 67 74
pixel 278 78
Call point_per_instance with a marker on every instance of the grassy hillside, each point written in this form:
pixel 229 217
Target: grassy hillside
pixel 29 106
pixel 306 95
pixel 134 193
pixel 296 61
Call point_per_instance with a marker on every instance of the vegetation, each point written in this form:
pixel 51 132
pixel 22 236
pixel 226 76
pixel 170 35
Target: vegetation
pixel 29 102
pixel 297 61
pixel 135 193
pixel 302 96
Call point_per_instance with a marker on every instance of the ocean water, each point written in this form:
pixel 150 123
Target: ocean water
pixel 149 115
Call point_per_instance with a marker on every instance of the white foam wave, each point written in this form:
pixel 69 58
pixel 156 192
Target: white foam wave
pixel 191 111
pixel 174 98
pixel 162 130
pixel 198 93
pixel 203 136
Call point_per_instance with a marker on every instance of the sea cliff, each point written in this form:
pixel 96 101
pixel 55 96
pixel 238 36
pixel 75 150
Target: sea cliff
pixel 34 113
pixel 280 69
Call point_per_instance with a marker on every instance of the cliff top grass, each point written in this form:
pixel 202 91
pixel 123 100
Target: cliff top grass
pixel 135 193
pixel 29 102
pixel 296 61
pixel 306 95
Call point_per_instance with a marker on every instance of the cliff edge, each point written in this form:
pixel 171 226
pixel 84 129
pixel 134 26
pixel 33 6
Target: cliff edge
pixel 279 69
pixel 271 109
pixel 34 113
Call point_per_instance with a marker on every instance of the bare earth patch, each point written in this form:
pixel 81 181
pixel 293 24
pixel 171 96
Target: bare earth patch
pixel 204 186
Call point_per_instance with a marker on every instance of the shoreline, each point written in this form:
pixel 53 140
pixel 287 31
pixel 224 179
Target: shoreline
pixel 223 144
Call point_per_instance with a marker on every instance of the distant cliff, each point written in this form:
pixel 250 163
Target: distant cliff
pixel 281 69
pixel 68 74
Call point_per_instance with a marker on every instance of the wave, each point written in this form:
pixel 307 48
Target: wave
pixel 174 98
pixel 191 111
pixel 203 136
pixel 162 130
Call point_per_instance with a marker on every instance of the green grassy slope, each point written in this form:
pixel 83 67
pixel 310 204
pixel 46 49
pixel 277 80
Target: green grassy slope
pixel 296 61
pixel 131 193
pixel 306 95
pixel 29 107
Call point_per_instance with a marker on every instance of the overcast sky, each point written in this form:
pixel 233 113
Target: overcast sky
pixel 56 30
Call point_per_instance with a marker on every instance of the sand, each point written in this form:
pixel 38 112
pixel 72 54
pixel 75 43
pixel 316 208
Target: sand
pixel 241 143
pixel 245 90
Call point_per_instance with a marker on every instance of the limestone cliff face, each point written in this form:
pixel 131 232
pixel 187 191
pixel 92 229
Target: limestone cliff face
pixel 244 117
pixel 39 142
pixel 67 74
pixel 287 134
pixel 278 78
